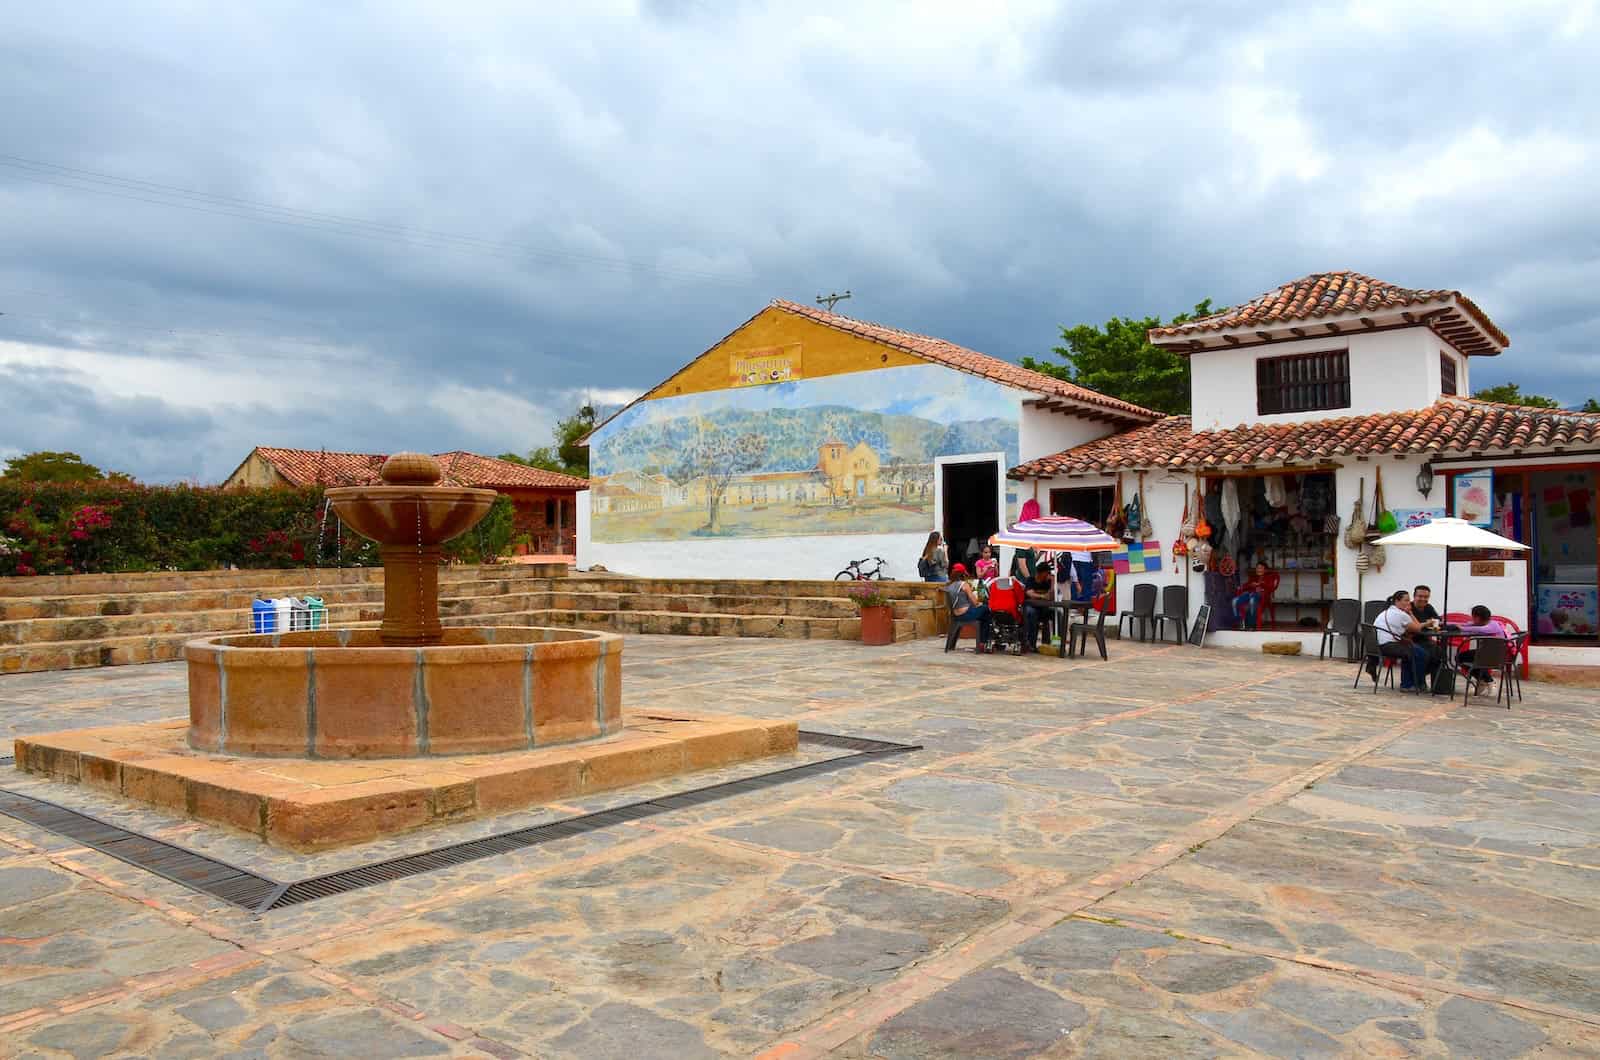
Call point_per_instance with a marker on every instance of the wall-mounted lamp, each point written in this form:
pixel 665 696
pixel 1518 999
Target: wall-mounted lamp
pixel 1425 479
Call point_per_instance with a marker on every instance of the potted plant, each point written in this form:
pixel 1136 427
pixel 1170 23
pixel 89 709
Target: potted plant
pixel 877 617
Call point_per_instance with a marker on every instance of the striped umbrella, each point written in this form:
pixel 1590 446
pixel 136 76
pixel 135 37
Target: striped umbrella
pixel 1056 533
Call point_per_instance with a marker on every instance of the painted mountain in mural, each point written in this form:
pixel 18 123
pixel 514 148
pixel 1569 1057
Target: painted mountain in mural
pixel 793 436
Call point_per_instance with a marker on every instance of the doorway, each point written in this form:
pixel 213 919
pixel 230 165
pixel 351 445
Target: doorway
pixel 969 505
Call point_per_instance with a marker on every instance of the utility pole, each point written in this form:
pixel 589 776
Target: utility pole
pixel 830 299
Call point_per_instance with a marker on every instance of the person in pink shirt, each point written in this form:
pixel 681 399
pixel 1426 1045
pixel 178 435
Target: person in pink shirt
pixel 988 569
pixel 1483 625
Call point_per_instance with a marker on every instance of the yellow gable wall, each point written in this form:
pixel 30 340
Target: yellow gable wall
pixel 823 351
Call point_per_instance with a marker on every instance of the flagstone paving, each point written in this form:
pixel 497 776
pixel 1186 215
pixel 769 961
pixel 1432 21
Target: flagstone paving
pixel 1173 853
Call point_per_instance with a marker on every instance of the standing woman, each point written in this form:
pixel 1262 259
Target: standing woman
pixel 934 566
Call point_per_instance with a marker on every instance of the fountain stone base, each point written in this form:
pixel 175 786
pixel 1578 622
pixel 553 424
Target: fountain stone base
pixel 345 694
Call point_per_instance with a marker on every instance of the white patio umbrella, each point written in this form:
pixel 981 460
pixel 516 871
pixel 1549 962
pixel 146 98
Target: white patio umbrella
pixel 1449 533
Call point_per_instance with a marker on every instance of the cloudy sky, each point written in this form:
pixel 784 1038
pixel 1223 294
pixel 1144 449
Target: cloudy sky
pixel 440 225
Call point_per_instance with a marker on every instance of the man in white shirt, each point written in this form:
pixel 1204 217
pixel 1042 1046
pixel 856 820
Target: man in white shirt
pixel 1393 626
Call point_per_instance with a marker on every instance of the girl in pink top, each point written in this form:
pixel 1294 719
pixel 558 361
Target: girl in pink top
pixel 988 568
pixel 1483 625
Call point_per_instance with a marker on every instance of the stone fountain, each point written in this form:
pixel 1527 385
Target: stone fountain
pixel 412 687
pixel 447 722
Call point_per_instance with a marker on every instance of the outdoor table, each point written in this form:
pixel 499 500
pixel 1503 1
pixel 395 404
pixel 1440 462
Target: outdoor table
pixel 1446 640
pixel 1063 610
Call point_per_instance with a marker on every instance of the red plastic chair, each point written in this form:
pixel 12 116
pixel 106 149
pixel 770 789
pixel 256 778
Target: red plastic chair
pixel 1266 609
pixel 1457 618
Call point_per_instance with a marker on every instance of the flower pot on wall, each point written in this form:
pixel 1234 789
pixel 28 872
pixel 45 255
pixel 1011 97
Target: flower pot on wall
pixel 877 625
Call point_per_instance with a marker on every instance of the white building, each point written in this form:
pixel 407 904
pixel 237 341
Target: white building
pixel 805 439
pixel 1301 399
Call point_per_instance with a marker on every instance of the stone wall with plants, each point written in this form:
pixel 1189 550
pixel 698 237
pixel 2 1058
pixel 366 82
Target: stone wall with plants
pixel 108 526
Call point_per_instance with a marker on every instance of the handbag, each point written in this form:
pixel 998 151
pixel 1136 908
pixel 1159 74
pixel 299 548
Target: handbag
pixel 1383 520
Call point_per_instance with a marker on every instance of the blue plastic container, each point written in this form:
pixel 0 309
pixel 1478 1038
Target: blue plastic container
pixel 263 616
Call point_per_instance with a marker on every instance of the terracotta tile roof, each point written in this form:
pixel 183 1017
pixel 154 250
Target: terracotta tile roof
pixel 1331 294
pixel 1454 424
pixel 470 469
pixel 970 361
pixel 319 467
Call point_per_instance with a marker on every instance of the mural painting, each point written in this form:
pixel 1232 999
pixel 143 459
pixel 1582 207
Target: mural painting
pixel 843 454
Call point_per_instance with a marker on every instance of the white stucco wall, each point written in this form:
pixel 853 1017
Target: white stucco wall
pixel 1045 433
pixel 821 556
pixel 1389 370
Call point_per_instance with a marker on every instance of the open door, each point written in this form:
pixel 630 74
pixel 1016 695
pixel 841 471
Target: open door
pixel 969 501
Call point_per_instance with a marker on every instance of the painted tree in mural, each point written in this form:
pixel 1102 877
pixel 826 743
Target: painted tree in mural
pixel 717 456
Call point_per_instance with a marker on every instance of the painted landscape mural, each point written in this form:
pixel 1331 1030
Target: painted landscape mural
pixel 844 454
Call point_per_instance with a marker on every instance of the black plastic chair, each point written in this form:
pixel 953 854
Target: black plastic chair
pixel 1493 654
pixel 1371 610
pixel 1343 621
pixel 1373 659
pixel 1174 607
pixel 1078 636
pixel 1144 611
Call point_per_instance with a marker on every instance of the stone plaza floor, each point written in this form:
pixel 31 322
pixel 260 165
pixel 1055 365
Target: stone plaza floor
pixel 1178 852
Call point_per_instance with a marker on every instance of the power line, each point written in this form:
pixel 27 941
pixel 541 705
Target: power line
pixel 177 197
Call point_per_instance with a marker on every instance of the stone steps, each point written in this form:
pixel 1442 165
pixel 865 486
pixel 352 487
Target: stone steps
pixel 88 621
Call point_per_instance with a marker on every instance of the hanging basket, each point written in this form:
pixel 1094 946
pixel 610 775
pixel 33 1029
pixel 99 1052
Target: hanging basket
pixel 1379 557
pixel 1363 561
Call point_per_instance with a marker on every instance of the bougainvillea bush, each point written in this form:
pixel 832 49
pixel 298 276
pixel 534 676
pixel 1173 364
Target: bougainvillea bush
pixel 103 526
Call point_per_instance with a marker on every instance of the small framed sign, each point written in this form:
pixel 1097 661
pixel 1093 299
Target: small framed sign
pixel 1197 631
pixel 1488 568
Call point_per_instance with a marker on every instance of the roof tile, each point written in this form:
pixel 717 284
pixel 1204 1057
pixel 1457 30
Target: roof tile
pixel 1453 424
pixel 319 467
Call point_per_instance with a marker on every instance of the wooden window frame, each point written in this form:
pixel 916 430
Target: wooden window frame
pixel 1447 374
pixel 1303 382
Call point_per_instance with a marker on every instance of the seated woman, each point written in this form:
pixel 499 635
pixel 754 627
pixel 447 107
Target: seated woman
pixel 965 605
pixel 1247 601
pixel 988 566
pixel 1483 625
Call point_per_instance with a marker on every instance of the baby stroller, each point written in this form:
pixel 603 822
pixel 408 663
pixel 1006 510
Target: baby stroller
pixel 1005 615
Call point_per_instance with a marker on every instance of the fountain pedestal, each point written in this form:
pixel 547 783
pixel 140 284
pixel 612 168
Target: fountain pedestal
pixel 411 595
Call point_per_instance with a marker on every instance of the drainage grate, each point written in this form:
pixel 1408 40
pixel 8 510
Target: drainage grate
pixel 260 894
pixel 195 871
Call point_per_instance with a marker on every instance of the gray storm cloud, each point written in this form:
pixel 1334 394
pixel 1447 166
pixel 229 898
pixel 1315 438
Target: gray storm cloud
pixel 286 223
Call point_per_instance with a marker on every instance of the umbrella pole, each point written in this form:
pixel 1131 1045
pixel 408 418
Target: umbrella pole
pixel 1447 580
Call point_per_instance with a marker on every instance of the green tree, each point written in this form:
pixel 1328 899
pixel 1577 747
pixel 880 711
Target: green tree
pixel 1511 394
pixel 1119 361
pixel 1591 405
pixel 48 466
pixel 566 456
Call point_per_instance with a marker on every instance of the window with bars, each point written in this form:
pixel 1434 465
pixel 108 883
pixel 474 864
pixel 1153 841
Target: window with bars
pixel 1303 382
pixel 1447 373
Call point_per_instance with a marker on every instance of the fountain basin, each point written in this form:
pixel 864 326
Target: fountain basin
pixel 332 694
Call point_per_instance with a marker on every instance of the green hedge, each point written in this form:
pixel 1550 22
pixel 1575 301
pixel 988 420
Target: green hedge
pixel 65 528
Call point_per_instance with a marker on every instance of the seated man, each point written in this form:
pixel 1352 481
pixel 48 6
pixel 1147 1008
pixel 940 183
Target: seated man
pixel 1396 628
pixel 1247 602
pixel 1036 613
pixel 1421 609
pixel 965 606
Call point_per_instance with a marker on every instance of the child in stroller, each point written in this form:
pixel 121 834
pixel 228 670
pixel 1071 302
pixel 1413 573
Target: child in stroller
pixel 1005 612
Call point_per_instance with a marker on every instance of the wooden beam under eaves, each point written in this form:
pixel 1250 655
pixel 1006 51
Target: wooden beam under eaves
pixel 1231 340
pixel 1409 318
pixel 1334 328
pixel 1298 333
pixel 1264 336
pixel 1368 323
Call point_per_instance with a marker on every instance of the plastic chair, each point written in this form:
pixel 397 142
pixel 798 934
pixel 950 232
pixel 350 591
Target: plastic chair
pixel 1078 636
pixel 1371 655
pixel 1494 655
pixel 1343 621
pixel 1267 610
pixel 1144 610
pixel 1371 610
pixel 1523 637
pixel 1174 606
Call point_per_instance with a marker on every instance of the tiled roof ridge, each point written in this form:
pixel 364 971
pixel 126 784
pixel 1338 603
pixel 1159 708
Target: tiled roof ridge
pixel 1322 294
pixel 459 467
pixel 962 358
pixel 1451 424
pixel 1509 406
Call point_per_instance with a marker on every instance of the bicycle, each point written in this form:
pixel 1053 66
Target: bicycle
pixel 856 571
